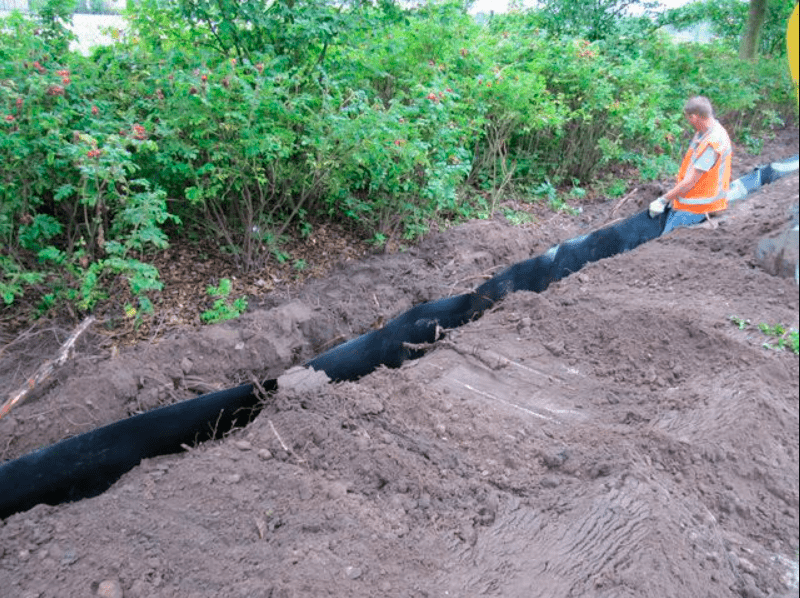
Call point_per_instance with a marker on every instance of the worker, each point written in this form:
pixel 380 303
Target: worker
pixel 704 175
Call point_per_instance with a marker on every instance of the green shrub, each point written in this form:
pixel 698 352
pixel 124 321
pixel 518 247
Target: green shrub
pixel 750 97
pixel 68 196
pixel 244 122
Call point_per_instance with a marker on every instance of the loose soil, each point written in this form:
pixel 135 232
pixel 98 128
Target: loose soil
pixel 616 435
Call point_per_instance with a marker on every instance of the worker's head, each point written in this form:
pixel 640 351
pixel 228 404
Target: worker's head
pixel 698 112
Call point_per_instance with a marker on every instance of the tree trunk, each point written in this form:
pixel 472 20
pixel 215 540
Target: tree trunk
pixel 749 45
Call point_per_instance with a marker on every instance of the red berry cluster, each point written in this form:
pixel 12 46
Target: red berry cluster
pixel 139 132
pixel 433 97
pixel 585 51
pixel 94 153
pixel 64 74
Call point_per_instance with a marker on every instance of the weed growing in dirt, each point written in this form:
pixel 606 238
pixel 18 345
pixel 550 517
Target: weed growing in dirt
pixel 145 307
pixel 224 308
pixel 516 217
pixel 741 323
pixel 577 191
pixel 782 336
pixel 617 188
pixel 556 203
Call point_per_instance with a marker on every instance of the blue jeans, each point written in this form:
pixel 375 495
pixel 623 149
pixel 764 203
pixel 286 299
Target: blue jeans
pixel 681 218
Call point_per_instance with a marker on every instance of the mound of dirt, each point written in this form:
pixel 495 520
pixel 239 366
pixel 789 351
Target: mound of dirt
pixel 624 433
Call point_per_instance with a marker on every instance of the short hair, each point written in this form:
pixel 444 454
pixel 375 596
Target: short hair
pixel 699 105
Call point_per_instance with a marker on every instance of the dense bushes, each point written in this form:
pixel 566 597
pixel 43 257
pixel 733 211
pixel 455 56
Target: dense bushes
pixel 242 121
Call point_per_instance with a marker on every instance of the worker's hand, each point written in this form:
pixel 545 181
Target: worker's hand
pixel 657 207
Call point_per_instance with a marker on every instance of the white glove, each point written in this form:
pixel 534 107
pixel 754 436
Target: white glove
pixel 657 207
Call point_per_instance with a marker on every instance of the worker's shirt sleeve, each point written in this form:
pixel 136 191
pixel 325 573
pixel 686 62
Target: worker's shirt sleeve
pixel 706 160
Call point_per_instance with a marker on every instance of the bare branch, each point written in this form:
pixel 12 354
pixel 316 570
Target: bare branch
pixel 45 370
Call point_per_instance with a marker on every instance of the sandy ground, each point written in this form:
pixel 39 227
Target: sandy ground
pixel 616 435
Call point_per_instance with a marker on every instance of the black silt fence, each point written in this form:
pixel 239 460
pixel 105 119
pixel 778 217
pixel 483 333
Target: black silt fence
pixel 88 464
pixel 389 345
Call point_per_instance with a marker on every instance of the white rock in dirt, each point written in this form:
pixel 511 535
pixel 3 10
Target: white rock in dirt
pixel 353 572
pixel 747 566
pixel 301 380
pixel 243 445
pixel 110 588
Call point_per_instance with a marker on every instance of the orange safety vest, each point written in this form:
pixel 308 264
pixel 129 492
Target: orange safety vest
pixel 710 193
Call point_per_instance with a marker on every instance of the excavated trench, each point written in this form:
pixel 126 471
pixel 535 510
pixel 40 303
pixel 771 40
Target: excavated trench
pixel 88 464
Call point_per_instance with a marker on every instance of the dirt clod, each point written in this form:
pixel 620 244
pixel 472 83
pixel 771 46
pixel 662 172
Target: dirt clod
pixel 109 588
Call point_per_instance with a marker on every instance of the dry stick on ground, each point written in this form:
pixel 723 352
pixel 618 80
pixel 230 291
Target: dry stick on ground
pixel 485 275
pixel 45 369
pixel 262 394
pixel 278 436
pixel 622 202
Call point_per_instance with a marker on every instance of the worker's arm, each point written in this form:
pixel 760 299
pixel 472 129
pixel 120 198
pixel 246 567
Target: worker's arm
pixel 703 164
pixel 684 186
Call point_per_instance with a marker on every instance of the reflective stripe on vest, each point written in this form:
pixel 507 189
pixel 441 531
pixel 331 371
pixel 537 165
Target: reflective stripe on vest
pixel 710 193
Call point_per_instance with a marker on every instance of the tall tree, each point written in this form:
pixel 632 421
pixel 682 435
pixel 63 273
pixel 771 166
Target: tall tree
pixel 592 19
pixel 755 20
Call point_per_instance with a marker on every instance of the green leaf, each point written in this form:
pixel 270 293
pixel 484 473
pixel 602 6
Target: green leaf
pixel 43 228
pixel 194 194
pixel 222 290
pixel 64 191
pixel 52 254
